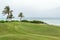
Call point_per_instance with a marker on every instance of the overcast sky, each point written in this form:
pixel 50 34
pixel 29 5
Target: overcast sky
pixel 32 8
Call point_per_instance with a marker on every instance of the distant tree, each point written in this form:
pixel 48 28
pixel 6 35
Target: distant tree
pixel 21 16
pixel 8 12
pixel 10 16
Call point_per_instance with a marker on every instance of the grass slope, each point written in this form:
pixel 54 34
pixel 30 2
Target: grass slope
pixel 28 31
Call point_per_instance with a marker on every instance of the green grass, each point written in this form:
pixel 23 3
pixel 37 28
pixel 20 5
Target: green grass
pixel 28 31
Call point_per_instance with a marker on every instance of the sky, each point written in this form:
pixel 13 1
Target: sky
pixel 32 8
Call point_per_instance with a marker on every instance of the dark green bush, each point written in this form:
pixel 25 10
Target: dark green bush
pixel 6 21
pixel 2 21
pixel 36 21
pixel 24 21
pixel 14 21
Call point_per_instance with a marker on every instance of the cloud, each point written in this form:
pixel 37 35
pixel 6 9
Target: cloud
pixel 33 7
pixel 38 4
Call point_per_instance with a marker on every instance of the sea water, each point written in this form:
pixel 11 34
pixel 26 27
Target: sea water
pixel 51 21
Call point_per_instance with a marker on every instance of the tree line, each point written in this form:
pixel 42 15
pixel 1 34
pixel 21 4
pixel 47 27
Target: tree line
pixel 7 11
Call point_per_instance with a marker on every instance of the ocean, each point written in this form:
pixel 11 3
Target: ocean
pixel 51 21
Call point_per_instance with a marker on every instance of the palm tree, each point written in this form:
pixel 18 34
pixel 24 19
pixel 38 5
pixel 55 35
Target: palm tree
pixel 21 16
pixel 8 12
pixel 10 16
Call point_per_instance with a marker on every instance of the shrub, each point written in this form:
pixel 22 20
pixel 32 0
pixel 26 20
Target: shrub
pixel 6 21
pixel 36 21
pixel 2 21
pixel 24 21
pixel 14 21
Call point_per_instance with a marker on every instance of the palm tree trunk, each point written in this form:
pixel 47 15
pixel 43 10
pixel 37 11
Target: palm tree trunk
pixel 7 17
pixel 20 19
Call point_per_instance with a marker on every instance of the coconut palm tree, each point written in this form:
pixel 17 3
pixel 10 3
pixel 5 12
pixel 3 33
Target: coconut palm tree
pixel 8 12
pixel 10 16
pixel 21 16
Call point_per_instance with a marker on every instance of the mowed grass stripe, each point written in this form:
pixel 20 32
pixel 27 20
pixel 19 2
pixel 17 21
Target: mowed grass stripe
pixel 28 31
pixel 36 35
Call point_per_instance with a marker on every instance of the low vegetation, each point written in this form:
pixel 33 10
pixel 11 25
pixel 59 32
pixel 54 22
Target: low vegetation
pixel 33 21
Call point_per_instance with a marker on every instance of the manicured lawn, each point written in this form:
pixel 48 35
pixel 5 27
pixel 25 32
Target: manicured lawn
pixel 28 31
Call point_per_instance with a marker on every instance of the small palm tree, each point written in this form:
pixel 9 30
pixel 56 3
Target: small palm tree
pixel 21 16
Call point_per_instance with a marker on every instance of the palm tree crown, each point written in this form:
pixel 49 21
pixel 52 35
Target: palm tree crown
pixel 8 11
pixel 20 15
